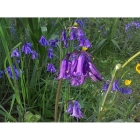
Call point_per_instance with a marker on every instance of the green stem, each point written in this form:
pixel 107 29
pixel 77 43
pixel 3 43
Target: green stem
pixel 57 99
pixel 130 59
pixel 58 89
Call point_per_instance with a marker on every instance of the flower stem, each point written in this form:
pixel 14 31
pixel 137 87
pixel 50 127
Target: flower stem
pixel 130 59
pixel 57 99
pixel 58 90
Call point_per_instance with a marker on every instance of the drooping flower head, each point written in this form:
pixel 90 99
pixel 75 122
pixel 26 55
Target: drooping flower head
pixel 51 68
pixel 15 53
pixel 77 66
pixel 34 54
pixel 80 33
pixel 63 36
pixel 84 42
pixel 74 109
pixel 16 72
pixel 50 53
pixel 124 90
pixel 64 69
pixel 73 34
pixel 26 48
pixel 53 42
pixel 43 41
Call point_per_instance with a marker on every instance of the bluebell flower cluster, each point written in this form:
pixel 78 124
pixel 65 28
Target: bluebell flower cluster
pixel 133 24
pixel 77 67
pixel 27 49
pixel 116 87
pixel 74 109
pixel 78 35
pixel 51 44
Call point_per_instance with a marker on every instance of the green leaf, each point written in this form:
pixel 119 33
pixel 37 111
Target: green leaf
pixel 115 43
pixel 100 44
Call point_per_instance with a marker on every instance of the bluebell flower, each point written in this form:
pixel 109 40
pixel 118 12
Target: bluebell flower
pixel 136 24
pixel 77 67
pixel 127 26
pixel 80 33
pixel 75 81
pixel 81 41
pixel 73 34
pixel 66 43
pixel 43 41
pixel 15 53
pixel 115 87
pixel 63 36
pixel 101 28
pixel 80 65
pixel 18 61
pixel 9 71
pixel 64 69
pixel 12 30
pixel 74 109
pixel 84 42
pixel 51 68
pixel 70 108
pixel 1 73
pixel 26 48
pixel 34 54
pixel 50 53
pixel 53 42
pixel 87 43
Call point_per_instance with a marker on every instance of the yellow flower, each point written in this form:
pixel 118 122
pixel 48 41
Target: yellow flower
pixel 84 48
pixel 127 82
pixel 75 24
pixel 138 68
